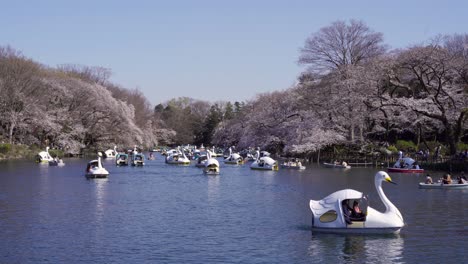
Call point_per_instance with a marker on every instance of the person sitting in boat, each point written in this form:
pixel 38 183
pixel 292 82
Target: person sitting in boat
pixel 336 162
pixel 357 214
pixel 447 179
pixel 299 164
pixel 346 211
pixel 461 180
pixel 344 163
pixel 428 180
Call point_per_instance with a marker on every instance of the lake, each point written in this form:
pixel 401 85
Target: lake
pixel 164 213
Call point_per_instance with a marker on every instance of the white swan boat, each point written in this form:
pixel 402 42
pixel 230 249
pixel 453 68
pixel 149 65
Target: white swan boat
pixel 234 158
pixel 331 213
pixel 177 158
pixel 44 156
pixel 111 153
pixel 264 163
pixel 211 166
pixel 212 152
pixel 94 169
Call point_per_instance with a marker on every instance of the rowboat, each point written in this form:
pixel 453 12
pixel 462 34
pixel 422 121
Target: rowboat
pixel 292 167
pixel 405 170
pixel 338 166
pixel 451 186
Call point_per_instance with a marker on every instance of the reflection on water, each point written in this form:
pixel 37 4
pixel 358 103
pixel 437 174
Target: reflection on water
pixel 356 248
pixel 170 214
pixel 213 187
pixel 100 195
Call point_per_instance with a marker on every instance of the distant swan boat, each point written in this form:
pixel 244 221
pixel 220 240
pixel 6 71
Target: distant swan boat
pixel 44 156
pixel 264 163
pixel 94 169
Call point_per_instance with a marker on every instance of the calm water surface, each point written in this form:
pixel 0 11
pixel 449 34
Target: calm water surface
pixel 170 214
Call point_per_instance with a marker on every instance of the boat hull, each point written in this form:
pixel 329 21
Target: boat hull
pixel 402 170
pixel 293 167
pixel 453 186
pixel 211 172
pixel 96 176
pixel 264 168
pixel 178 162
pixel 233 162
pixel 337 166
pixel 386 230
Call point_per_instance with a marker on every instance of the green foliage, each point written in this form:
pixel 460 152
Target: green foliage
pixel 392 148
pixel 406 146
pixel 229 111
pixel 462 146
pixel 5 148
pixel 56 153
pixel 432 145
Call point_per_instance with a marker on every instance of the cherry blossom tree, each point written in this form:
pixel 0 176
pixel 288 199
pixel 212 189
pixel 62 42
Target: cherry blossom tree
pixel 428 81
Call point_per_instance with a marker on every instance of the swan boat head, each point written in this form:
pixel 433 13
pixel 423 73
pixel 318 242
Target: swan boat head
pixel 334 213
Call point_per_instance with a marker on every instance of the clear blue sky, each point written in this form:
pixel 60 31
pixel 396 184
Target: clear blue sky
pixel 209 50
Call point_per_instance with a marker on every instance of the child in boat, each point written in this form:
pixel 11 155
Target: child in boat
pixel 428 179
pixel 447 179
pixel 357 214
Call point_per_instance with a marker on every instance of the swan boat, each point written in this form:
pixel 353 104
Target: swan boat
pixel 201 161
pixel 94 169
pixel 111 153
pixel 44 156
pixel 452 186
pixel 138 159
pixel 338 166
pixel 211 166
pixel 234 158
pixel 405 165
pixel 212 152
pixel 331 213
pixel 121 159
pixel 177 158
pixel 264 163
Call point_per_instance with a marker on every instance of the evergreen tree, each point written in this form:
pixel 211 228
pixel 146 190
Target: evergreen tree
pixel 212 121
pixel 228 112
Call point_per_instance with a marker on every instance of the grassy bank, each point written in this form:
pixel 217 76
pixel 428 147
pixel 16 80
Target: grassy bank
pixel 11 151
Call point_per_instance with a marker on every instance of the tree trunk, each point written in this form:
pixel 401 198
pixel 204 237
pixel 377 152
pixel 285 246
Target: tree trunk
pixel 10 132
pixel 418 136
pixel 361 132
